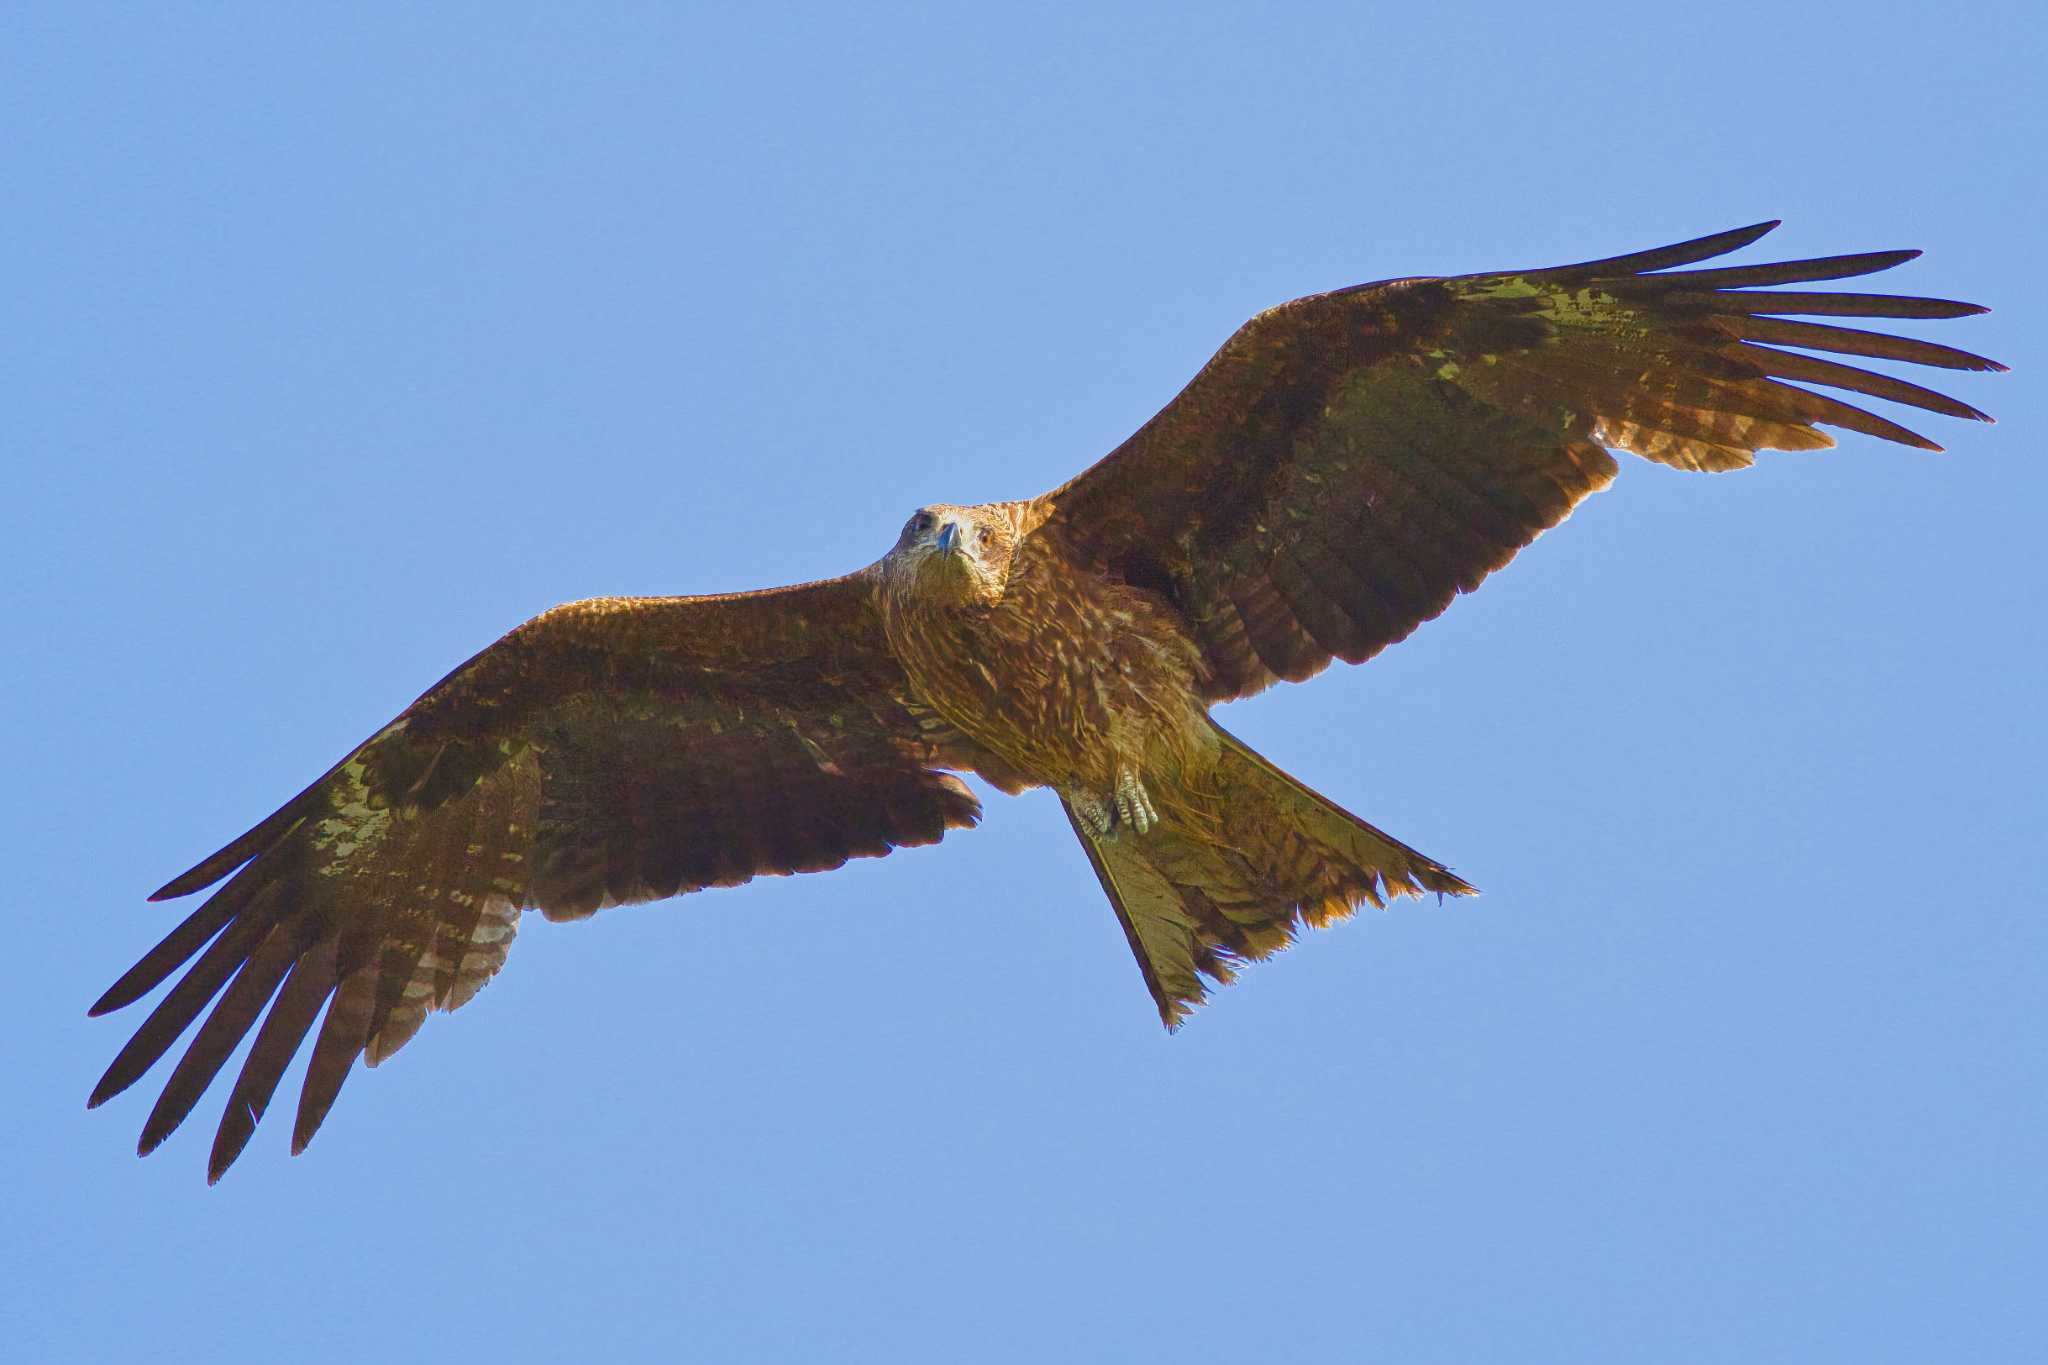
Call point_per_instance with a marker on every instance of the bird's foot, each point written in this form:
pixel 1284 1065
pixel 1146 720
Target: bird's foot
pixel 1096 814
pixel 1133 803
pixel 1128 805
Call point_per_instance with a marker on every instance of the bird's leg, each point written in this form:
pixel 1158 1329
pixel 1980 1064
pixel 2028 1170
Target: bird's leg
pixel 1133 804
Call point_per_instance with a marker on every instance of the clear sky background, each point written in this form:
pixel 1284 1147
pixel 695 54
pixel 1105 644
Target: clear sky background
pixel 340 340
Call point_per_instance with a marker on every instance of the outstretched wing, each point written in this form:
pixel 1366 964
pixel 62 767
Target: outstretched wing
pixel 1349 462
pixel 609 751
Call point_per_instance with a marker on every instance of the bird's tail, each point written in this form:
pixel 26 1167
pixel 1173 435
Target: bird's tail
pixel 1229 873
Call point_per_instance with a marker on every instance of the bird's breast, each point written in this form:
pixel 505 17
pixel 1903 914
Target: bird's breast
pixel 1067 677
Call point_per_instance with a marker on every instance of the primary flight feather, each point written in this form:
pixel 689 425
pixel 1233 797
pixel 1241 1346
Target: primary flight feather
pixel 1345 466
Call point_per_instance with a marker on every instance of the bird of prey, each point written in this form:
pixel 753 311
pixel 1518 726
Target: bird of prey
pixel 1346 465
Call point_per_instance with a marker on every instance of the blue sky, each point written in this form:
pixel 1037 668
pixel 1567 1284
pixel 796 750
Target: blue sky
pixel 342 340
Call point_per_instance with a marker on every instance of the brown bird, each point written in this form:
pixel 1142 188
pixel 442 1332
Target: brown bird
pixel 1345 466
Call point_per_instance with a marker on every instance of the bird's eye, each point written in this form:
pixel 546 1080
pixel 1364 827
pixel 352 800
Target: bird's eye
pixel 921 523
pixel 984 537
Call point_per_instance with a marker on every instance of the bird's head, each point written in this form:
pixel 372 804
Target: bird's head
pixel 953 556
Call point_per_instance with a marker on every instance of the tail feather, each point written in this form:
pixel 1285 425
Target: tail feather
pixel 1197 897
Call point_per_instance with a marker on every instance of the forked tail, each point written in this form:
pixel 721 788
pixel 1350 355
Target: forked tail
pixel 1230 872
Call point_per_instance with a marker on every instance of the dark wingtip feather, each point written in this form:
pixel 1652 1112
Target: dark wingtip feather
pixel 121 993
pixel 1951 308
pixel 1787 272
pixel 171 952
pixel 276 826
pixel 1771 302
pixel 340 1042
pixel 1815 336
pixel 1721 243
pixel 291 1015
pixel 1664 257
pixel 193 879
pixel 176 1011
pixel 237 1126
pixel 1833 374
pixel 1831 411
pixel 1904 436
pixel 111 1083
pixel 224 1028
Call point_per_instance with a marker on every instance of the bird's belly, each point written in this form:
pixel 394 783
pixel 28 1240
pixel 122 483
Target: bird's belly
pixel 1068 688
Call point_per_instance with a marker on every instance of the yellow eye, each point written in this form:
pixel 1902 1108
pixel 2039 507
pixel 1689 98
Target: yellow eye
pixel 984 536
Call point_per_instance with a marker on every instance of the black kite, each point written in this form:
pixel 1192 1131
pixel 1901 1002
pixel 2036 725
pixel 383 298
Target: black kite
pixel 1345 466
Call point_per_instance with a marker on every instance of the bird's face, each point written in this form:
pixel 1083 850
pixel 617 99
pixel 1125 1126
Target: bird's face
pixel 958 556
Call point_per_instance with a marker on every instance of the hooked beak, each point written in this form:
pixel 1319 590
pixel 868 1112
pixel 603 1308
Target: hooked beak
pixel 949 536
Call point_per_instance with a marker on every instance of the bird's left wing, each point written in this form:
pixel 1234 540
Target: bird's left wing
pixel 609 751
pixel 1349 462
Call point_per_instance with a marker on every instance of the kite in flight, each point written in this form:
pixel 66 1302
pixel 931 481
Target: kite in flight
pixel 1337 473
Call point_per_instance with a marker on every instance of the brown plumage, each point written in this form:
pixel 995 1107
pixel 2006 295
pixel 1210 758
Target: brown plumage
pixel 1345 465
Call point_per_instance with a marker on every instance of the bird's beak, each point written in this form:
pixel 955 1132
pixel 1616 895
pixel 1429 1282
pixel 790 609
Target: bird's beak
pixel 949 536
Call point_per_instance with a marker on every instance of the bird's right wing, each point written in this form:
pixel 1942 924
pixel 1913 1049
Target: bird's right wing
pixel 615 750
pixel 1351 461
